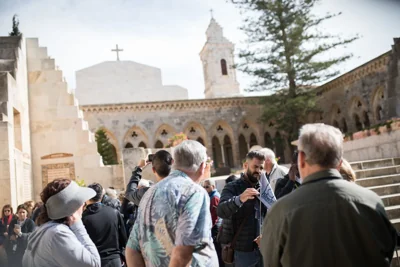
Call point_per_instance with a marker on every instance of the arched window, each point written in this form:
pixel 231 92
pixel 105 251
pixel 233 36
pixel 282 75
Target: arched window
pixel 378 113
pixel 158 144
pixel 128 145
pixel 142 144
pixel 268 142
pixel 366 120
pixel 224 69
pixel 228 151
pixel 335 124
pixel 280 147
pixel 253 140
pixel 357 122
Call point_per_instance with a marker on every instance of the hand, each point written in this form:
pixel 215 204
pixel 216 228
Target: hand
pixel 17 231
pixel 258 240
pixel 292 173
pixel 76 217
pixel 5 234
pixel 143 163
pixel 249 193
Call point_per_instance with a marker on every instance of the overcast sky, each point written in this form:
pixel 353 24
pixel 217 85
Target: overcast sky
pixel 169 34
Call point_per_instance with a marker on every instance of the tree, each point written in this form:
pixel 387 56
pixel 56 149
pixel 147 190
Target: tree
pixel 285 56
pixel 15 27
pixel 105 148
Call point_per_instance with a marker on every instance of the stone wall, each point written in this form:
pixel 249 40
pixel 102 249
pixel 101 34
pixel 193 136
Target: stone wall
pixel 384 145
pixel 15 156
pixel 62 145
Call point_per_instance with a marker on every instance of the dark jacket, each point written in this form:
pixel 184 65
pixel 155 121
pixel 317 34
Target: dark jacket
pixel 112 202
pixel 233 213
pixel 284 186
pixel 328 222
pixel 22 241
pixel 106 228
pixel 132 192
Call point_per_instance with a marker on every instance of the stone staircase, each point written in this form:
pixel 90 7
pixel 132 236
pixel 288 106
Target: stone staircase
pixel 383 177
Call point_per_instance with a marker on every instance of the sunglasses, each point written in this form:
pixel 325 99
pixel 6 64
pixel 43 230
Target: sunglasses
pixel 206 186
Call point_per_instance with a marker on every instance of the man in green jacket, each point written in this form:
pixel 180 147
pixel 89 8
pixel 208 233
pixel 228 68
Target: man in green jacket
pixel 327 221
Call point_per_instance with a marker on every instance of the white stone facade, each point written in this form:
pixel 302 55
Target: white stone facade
pixel 116 82
pixel 217 57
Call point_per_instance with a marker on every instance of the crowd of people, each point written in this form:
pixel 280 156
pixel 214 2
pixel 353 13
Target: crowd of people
pixel 318 215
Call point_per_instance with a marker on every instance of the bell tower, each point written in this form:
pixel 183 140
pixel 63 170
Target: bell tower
pixel 217 57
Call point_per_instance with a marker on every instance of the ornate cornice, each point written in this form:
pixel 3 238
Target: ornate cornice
pixel 377 64
pixel 172 105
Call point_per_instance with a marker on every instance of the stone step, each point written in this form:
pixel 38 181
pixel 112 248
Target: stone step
pixel 396 224
pixel 378 171
pixel 368 164
pixel 379 180
pixel 391 200
pixel 386 189
pixel 393 212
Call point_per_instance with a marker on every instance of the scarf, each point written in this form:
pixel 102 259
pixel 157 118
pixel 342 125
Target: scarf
pixel 9 219
pixel 214 193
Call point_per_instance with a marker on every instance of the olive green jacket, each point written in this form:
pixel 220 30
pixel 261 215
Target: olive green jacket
pixel 328 222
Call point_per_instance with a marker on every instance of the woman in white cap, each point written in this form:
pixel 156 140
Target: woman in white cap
pixel 61 239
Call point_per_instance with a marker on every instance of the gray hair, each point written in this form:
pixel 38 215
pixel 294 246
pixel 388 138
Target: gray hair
pixel 189 155
pixel 269 154
pixel 322 144
pixel 210 182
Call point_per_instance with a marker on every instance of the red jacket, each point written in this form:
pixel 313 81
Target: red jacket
pixel 214 201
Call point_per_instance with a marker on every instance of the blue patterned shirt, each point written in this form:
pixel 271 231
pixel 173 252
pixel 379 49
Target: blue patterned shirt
pixel 174 212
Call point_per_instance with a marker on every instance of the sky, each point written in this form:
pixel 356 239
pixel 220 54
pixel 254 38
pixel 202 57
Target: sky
pixel 169 34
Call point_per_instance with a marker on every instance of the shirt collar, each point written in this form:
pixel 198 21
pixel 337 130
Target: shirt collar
pixel 176 173
pixel 322 174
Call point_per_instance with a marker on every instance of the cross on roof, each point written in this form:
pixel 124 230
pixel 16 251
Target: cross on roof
pixel 212 13
pixel 117 50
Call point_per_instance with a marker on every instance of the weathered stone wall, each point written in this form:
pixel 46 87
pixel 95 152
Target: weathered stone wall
pixel 385 145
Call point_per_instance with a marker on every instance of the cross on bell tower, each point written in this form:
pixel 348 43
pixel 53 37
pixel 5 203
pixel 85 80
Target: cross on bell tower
pixel 117 50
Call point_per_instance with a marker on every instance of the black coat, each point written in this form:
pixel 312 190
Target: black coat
pixel 132 192
pixel 22 241
pixel 284 186
pixel 106 228
pixel 233 216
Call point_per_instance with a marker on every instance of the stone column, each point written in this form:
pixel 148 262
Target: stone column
pixel 223 154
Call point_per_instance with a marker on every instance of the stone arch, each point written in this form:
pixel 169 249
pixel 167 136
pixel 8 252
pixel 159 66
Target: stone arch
pixel 113 140
pixel 164 132
pixel 377 100
pixel 344 125
pixel 195 131
pixel 250 132
pixel 268 141
pixel 200 140
pixel 128 145
pixel 158 144
pixel 253 140
pixel 142 144
pixel 135 136
pixel 279 146
pixel 219 130
pixel 358 110
pixel 335 114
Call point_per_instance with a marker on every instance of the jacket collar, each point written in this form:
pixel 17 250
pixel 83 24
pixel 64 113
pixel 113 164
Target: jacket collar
pixel 329 173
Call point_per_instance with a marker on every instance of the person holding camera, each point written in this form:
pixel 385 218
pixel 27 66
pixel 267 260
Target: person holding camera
pixel 18 233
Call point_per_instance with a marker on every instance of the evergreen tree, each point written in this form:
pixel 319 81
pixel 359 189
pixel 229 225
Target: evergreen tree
pixel 15 27
pixel 285 56
pixel 105 148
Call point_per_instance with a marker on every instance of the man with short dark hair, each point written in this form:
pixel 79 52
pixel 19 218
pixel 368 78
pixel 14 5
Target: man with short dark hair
pixel 327 221
pixel 242 213
pixel 106 228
